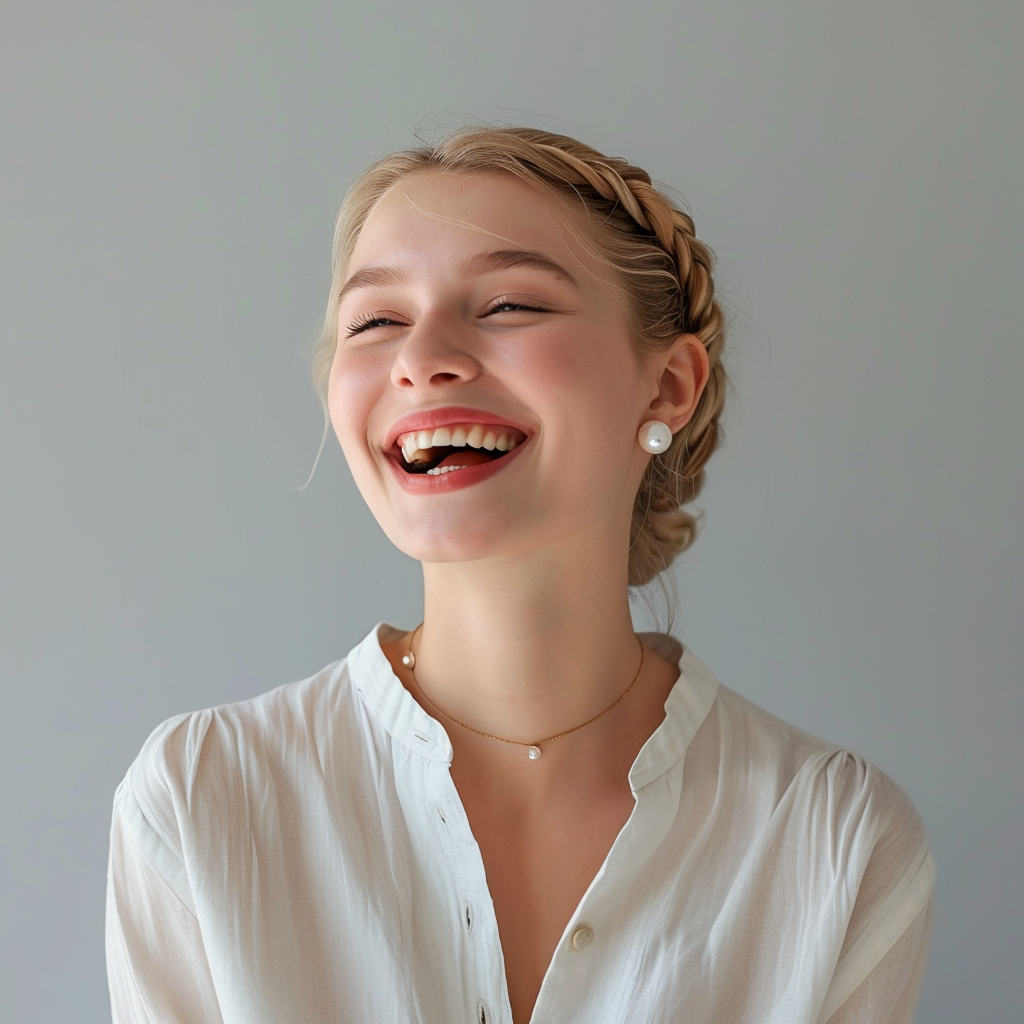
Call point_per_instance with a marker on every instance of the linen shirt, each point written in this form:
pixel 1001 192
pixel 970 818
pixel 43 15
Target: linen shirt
pixel 304 857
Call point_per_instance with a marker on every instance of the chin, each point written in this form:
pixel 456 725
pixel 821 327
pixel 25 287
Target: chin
pixel 432 541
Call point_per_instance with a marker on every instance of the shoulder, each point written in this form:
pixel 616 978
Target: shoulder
pixel 808 794
pixel 840 830
pixel 799 763
pixel 192 758
pixel 825 843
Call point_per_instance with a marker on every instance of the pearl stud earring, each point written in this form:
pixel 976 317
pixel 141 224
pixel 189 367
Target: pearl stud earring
pixel 655 436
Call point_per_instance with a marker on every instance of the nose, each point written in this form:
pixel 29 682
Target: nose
pixel 435 351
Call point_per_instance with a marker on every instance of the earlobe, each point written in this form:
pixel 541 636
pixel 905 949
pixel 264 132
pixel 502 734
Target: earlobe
pixel 684 375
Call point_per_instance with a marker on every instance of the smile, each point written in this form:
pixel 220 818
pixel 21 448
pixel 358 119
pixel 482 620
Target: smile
pixel 424 462
pixel 456 447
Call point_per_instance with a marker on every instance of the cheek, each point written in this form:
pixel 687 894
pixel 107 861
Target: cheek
pixel 596 387
pixel 351 393
pixel 351 400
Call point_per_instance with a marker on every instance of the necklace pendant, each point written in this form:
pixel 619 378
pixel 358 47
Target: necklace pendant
pixel 409 660
pixel 533 753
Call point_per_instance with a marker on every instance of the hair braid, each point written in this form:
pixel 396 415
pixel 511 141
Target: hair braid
pixel 661 529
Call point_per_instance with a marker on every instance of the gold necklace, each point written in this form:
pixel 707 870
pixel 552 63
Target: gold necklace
pixel 409 661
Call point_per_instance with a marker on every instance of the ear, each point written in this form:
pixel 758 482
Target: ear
pixel 683 371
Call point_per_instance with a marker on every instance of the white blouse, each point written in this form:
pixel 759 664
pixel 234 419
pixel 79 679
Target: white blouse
pixel 303 857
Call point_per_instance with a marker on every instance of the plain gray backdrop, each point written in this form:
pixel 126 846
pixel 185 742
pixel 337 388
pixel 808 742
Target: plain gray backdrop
pixel 169 177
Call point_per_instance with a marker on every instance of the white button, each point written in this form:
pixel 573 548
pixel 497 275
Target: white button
pixel 582 937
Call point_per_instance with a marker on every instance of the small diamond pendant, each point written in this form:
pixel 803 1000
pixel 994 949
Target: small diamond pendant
pixel 533 753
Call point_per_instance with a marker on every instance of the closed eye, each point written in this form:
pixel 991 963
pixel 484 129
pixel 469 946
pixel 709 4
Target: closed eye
pixel 511 307
pixel 369 321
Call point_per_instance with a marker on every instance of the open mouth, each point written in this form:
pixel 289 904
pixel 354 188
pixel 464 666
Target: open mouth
pixel 450 448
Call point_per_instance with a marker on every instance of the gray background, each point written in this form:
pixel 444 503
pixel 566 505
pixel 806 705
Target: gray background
pixel 170 174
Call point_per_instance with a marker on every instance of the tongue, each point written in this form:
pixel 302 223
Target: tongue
pixel 467 457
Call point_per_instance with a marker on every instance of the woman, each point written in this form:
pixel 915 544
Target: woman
pixel 520 810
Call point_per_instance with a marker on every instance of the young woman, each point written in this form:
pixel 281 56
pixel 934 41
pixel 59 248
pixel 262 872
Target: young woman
pixel 520 810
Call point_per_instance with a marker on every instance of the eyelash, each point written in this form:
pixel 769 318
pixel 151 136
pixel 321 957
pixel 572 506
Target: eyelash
pixel 369 320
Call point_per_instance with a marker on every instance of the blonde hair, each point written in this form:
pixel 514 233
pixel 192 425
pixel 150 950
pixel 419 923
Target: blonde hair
pixel 665 270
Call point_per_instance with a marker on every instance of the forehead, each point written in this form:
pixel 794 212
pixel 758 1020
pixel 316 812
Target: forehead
pixel 431 213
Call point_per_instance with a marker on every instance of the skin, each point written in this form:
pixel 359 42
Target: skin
pixel 527 628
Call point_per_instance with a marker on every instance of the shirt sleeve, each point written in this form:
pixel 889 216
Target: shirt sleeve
pixel 885 952
pixel 888 995
pixel 157 968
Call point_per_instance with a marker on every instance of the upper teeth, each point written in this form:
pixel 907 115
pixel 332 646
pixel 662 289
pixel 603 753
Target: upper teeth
pixel 416 444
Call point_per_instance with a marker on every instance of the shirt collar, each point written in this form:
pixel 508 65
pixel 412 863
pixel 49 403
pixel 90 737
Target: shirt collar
pixel 688 704
pixel 383 693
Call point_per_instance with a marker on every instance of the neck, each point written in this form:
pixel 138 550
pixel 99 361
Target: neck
pixel 525 651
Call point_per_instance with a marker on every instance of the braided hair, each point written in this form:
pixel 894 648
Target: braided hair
pixel 664 268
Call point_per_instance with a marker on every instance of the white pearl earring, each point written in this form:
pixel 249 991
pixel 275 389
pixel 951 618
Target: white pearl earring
pixel 655 436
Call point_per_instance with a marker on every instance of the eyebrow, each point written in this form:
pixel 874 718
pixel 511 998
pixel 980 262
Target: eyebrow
pixel 481 263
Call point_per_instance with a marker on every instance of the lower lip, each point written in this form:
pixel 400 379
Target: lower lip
pixel 453 480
